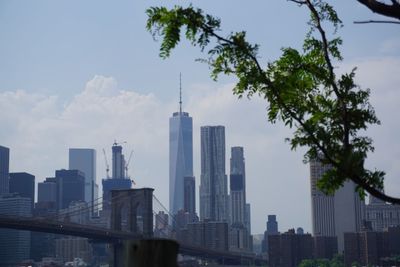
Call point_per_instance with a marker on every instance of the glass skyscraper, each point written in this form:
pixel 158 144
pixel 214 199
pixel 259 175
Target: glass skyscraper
pixel 180 157
pixel 84 160
pixel 213 187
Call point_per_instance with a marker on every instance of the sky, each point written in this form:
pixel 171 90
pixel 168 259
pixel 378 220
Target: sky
pixel 85 73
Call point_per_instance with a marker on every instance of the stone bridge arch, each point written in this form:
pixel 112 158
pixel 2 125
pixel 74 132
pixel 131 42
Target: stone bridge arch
pixel 135 202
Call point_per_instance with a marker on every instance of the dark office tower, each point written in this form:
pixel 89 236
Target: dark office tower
pixel 272 225
pixel 119 180
pixel 238 187
pixel 180 156
pixel 4 169
pixel 14 244
pixel 272 229
pixel 70 187
pixel 24 184
pixel 189 191
pixel 43 244
pixel 84 159
pixel 47 190
pixel 213 187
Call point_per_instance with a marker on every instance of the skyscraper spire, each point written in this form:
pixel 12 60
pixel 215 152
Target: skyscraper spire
pixel 180 93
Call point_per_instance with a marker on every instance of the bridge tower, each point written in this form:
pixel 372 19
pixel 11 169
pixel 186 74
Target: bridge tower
pixel 136 202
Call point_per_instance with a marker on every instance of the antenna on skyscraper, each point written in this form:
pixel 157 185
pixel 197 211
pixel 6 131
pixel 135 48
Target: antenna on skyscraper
pixel 180 92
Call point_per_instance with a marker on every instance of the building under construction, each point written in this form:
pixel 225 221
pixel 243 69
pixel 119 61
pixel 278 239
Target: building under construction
pixel 120 178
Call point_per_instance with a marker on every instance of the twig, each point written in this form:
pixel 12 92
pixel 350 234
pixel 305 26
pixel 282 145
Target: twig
pixel 376 21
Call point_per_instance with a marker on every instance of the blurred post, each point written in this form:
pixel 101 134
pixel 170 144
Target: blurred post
pixel 151 253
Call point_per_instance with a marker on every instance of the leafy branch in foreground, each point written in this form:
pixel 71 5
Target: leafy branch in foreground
pixel 326 110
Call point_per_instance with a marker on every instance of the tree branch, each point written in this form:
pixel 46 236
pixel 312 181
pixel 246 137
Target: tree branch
pixel 376 21
pixel 378 7
pixel 355 178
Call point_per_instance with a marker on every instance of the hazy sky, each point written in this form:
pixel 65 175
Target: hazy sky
pixel 83 73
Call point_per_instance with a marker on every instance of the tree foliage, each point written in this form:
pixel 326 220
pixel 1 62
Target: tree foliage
pixel 336 261
pixel 328 112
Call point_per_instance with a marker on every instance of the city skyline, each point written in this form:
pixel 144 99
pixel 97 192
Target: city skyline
pixel 72 80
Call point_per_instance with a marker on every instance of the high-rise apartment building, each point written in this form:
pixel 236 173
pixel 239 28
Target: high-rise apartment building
pixel 4 169
pixel 213 187
pixel 180 156
pixel 24 184
pixel 70 187
pixel 334 215
pixel 381 215
pixel 289 249
pixel 84 160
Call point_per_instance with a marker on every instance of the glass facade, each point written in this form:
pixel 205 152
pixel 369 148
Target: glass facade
pixel 180 157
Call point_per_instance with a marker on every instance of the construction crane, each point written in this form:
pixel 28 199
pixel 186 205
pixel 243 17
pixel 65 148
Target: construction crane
pixel 118 143
pixel 107 166
pixel 127 165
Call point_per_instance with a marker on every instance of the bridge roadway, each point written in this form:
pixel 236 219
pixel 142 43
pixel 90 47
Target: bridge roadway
pixel 110 236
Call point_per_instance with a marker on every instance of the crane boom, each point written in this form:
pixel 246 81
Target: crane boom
pixel 107 166
pixel 127 166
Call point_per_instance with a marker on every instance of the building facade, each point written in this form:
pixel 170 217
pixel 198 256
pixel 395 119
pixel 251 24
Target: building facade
pixel 119 179
pixel 213 187
pixel 271 229
pixel 289 249
pixel 180 157
pixel 161 227
pixel 84 160
pixel 70 187
pixel 23 183
pixel 370 248
pixel 207 234
pixel 333 215
pixel 237 187
pixel 14 244
pixel 381 215
pixel 4 169
pixel 189 192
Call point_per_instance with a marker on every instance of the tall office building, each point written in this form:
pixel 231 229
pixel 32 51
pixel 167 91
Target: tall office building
pixel 43 244
pixel 189 191
pixel 119 179
pixel 70 187
pixel 84 160
pixel 238 187
pixel 4 169
pixel 272 229
pixel 47 190
pixel 213 187
pixel 334 215
pixel 14 244
pixel 180 156
pixel 24 184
